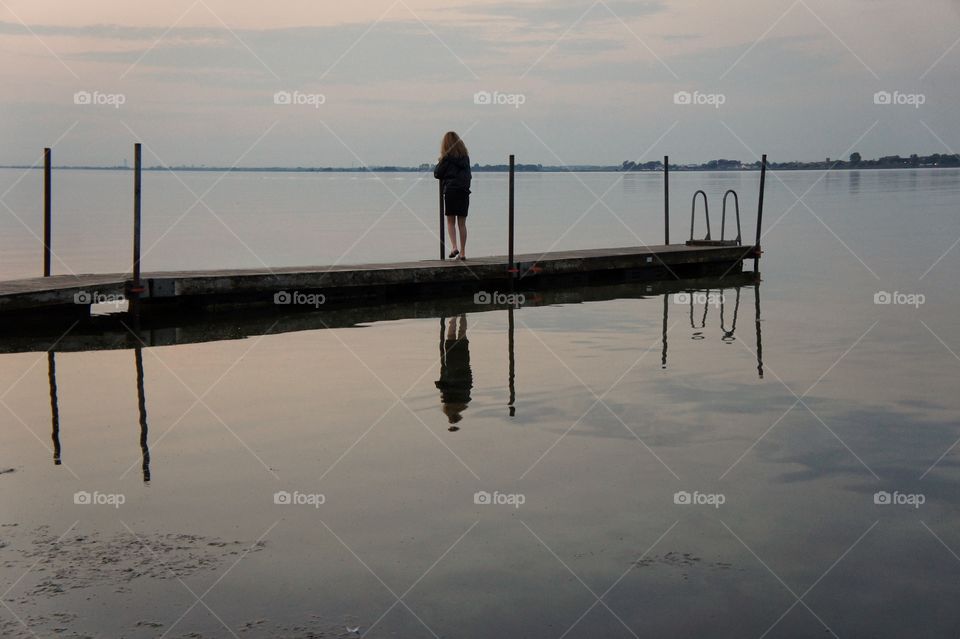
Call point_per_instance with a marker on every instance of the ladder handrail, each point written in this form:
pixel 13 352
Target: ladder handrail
pixel 693 211
pixel 728 335
pixel 706 305
pixel 723 216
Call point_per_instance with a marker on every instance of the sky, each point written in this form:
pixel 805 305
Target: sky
pixel 561 82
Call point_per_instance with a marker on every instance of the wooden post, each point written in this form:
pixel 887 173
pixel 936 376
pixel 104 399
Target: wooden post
pixel 666 200
pixel 47 231
pixel 136 216
pixel 510 211
pixel 763 179
pixel 443 242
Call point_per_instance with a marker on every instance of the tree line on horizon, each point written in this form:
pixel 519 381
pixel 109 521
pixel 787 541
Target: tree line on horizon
pixel 855 161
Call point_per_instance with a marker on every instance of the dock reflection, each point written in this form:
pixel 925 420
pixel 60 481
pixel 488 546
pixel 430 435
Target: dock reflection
pixel 141 406
pixel 456 376
pixel 718 299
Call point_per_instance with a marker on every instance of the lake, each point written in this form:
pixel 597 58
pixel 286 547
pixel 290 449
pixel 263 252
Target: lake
pixel 724 460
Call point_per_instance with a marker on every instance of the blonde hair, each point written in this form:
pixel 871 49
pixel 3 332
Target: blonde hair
pixel 453 146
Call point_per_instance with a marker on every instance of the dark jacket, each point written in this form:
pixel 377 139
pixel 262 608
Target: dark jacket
pixel 453 173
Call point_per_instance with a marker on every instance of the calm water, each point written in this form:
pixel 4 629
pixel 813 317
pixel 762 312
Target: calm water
pixel 583 421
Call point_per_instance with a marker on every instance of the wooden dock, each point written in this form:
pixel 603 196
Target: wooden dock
pixel 66 296
pixel 27 303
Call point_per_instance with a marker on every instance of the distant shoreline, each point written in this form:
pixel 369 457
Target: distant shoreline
pixel 484 169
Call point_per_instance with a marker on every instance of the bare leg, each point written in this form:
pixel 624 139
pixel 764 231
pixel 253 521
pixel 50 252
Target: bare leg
pixel 462 329
pixel 452 231
pixel 462 223
pixel 452 329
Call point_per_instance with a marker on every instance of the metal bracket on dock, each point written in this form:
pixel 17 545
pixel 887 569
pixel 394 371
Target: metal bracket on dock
pixel 134 289
pixel 525 269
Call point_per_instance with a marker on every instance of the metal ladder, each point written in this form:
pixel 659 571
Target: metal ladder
pixel 707 240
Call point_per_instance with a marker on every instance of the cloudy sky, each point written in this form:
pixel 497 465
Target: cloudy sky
pixel 311 82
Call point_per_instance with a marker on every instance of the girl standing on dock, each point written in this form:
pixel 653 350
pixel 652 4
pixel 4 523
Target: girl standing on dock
pixel 453 171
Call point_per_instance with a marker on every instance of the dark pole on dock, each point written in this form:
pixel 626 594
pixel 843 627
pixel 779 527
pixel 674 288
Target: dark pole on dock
pixel 46 212
pixel 666 200
pixel 443 242
pixel 513 267
pixel 763 180
pixel 136 216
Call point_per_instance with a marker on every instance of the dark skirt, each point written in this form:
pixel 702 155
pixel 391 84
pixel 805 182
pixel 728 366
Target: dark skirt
pixel 456 376
pixel 456 202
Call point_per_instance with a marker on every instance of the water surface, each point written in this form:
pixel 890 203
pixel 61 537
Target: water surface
pixel 594 415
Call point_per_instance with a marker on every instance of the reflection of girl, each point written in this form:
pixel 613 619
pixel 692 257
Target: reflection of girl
pixel 456 377
pixel 453 171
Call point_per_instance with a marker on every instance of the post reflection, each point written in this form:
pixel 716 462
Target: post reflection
pixel 141 403
pixel 756 304
pixel 54 406
pixel 511 380
pixel 663 333
pixel 142 408
pixel 456 376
